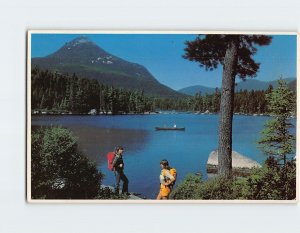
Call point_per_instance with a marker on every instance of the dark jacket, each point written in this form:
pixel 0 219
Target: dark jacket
pixel 116 163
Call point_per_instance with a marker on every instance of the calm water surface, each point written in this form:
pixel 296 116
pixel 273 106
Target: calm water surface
pixel 187 150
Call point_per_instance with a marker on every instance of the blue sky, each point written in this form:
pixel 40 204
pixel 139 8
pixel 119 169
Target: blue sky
pixel 162 54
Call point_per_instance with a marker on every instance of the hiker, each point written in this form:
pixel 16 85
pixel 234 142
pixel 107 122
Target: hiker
pixel 166 180
pixel 118 168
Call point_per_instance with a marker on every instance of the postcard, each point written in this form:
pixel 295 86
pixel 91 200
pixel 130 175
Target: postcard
pixel 161 117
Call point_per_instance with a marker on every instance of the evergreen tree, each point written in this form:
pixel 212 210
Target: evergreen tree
pixel 115 103
pixel 101 98
pixel 216 101
pixel 198 105
pixel 234 53
pixel 277 140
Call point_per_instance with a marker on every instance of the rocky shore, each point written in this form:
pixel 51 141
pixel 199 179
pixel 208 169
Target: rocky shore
pixel 132 196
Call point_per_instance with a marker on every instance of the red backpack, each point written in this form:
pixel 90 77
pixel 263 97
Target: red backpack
pixel 110 158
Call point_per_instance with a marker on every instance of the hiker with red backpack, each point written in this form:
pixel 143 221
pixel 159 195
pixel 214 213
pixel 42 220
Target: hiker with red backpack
pixel 167 180
pixel 116 164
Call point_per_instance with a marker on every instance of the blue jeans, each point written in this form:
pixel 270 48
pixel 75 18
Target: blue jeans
pixel 119 174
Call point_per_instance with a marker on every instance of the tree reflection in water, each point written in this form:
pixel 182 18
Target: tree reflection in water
pixel 96 142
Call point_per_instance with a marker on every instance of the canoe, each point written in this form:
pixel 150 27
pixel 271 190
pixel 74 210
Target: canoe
pixel 170 128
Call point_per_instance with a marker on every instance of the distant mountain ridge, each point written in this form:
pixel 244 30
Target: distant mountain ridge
pixel 253 84
pixel 87 59
pixel 192 90
pixel 249 84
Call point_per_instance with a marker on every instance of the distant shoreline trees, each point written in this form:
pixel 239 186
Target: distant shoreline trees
pixel 54 92
pixel 65 93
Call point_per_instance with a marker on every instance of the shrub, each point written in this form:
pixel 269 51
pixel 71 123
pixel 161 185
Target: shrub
pixel 193 187
pixel 188 189
pixel 58 169
pixel 271 182
pixel 219 188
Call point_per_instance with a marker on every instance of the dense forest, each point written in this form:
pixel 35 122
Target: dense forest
pixel 57 93
pixel 65 93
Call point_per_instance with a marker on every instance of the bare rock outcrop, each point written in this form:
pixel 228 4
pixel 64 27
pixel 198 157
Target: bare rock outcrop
pixel 241 165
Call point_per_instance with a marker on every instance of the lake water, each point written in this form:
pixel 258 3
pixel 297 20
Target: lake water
pixel 187 150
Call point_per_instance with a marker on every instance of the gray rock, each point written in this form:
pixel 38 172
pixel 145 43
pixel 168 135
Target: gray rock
pixel 240 163
pixel 130 197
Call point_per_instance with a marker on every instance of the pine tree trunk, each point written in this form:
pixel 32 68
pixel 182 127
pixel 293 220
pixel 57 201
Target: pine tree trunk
pixel 226 109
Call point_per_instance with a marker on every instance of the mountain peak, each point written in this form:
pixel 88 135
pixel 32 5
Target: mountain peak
pixel 80 50
pixel 87 59
pixel 80 40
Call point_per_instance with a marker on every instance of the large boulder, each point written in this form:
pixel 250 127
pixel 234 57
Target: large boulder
pixel 241 165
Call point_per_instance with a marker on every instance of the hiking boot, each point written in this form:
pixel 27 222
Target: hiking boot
pixel 117 191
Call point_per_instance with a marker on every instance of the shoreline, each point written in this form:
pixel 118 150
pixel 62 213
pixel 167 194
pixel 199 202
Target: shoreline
pixel 171 112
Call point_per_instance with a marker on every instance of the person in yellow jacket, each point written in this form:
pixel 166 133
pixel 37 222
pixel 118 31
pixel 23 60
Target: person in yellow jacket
pixel 166 181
